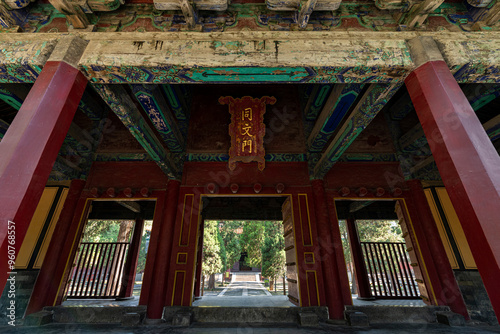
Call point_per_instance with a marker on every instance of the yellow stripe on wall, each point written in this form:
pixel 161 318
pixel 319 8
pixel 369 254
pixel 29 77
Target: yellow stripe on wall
pixel 442 232
pixel 50 230
pixel 35 227
pixel 456 229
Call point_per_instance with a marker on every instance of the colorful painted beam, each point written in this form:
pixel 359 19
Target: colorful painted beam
pixel 3 128
pixel 158 111
pixel 340 100
pixel 122 105
pixel 316 98
pixel 478 96
pixel 373 100
pixel 10 98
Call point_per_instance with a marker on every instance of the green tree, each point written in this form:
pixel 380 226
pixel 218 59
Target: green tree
pixel 252 240
pixel 228 231
pixel 273 252
pixel 212 262
pixel 222 251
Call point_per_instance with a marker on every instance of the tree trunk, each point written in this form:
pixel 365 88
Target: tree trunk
pixel 125 229
pixel 354 289
pixel 271 283
pixel 284 286
pixel 211 282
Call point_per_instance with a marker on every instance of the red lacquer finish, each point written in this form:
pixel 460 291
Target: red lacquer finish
pixel 333 293
pixel 130 267
pixel 360 271
pixel 157 292
pixel 30 148
pixel 49 277
pixel 450 293
pixel 467 161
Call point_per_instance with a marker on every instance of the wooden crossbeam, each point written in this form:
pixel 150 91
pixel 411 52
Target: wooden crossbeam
pixel 156 107
pixel 372 101
pixel 340 100
pixel 122 105
pixel 132 206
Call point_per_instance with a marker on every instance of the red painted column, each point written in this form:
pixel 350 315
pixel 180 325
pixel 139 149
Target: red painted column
pixel 46 286
pixel 333 293
pixel 30 148
pixel 450 293
pixel 360 271
pixel 130 266
pixel 199 262
pixel 159 282
pixel 467 161
pixel 153 245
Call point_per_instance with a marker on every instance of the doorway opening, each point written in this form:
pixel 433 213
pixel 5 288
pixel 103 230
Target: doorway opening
pixel 111 256
pixel 378 250
pixel 243 259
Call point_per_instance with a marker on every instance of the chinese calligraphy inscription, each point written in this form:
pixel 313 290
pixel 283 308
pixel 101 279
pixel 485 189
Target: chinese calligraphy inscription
pixel 247 129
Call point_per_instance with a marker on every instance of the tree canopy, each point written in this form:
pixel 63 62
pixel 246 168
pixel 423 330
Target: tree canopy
pixel 273 250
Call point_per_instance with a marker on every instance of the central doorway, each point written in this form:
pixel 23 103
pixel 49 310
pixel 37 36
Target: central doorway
pixel 251 236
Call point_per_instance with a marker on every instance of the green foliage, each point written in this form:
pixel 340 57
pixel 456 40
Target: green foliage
pixel 212 262
pixel 252 240
pixel 101 231
pixel 231 240
pixel 222 252
pixel 273 253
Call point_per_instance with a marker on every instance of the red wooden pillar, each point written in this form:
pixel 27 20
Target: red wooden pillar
pixel 450 292
pixel 153 245
pixel 467 161
pixel 30 147
pixel 360 271
pixel 130 266
pixel 50 275
pixel 333 293
pixel 158 289
pixel 199 262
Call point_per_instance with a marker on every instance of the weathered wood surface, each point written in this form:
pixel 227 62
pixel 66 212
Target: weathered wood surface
pixel 255 56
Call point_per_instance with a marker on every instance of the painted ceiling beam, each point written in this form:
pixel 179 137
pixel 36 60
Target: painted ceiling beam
pixel 10 98
pixel 340 100
pixel 132 206
pixel 478 96
pixel 317 99
pixel 156 107
pixel 401 108
pixel 306 8
pixel 418 13
pixel 3 128
pixel 358 205
pixel 372 101
pixel 117 98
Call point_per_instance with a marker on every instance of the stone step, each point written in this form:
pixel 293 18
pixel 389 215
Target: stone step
pixel 248 315
pixel 95 315
pixel 380 314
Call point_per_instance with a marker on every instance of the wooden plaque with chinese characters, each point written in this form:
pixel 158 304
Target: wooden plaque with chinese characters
pixel 247 129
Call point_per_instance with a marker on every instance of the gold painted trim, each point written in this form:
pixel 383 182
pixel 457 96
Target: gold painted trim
pixel 175 282
pixel 312 255
pixel 431 288
pixel 190 219
pixel 441 229
pixel 308 220
pixel 178 262
pixel 50 230
pixel 295 243
pixel 307 283
pixel 27 251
